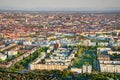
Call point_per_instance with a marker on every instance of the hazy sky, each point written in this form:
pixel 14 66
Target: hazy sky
pixel 52 4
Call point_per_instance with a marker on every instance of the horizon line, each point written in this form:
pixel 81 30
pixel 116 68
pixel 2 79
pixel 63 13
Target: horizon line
pixel 63 10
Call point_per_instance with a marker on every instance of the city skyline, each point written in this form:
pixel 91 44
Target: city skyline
pixel 60 5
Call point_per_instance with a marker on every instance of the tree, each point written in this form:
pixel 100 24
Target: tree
pixel 65 73
pixel 1 60
pixel 79 52
pixel 87 56
pixel 86 63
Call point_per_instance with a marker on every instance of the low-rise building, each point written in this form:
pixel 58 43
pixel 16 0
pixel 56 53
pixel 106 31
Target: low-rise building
pixel 12 52
pixel 109 66
pixel 47 67
pixel 2 45
pixel 59 60
pixel 9 46
pixel 103 43
pixel 27 43
pixel 2 56
pixel 113 52
pixel 99 50
pixel 76 70
pixel 104 57
pixel 86 69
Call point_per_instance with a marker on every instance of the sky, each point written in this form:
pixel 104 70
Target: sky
pixel 59 4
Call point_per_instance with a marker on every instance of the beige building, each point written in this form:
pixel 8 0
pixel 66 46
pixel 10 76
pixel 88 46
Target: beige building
pixel 78 70
pixel 86 69
pixel 5 65
pixel 47 67
pixel 2 56
pixel 104 57
pixel 110 66
pixel 114 52
pixel 12 52
pixel 60 61
pixel 9 46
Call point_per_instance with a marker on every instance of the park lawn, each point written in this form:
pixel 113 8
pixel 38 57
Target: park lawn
pixel 79 62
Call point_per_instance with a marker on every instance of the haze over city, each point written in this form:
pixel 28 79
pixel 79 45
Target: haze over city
pixel 60 4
